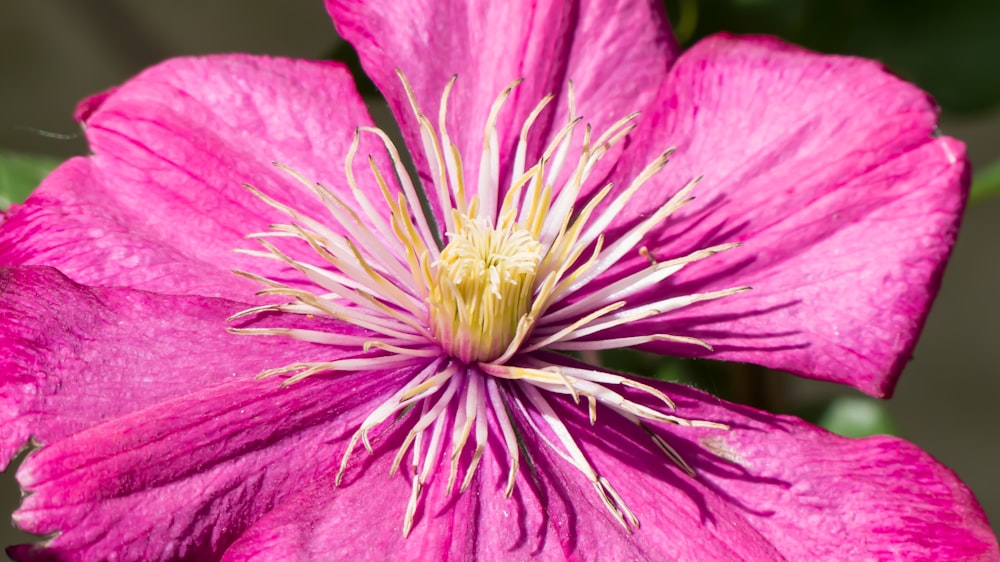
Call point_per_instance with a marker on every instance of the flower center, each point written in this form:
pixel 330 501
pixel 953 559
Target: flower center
pixel 521 273
pixel 483 287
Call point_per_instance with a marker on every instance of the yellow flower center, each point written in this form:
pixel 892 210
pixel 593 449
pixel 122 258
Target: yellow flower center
pixel 483 287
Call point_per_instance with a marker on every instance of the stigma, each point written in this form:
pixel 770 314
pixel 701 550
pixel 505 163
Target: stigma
pixel 483 287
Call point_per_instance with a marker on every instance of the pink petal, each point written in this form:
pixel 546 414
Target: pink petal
pixel 828 172
pixel 772 487
pixel 190 474
pixel 806 493
pixel 73 356
pixel 490 44
pixel 353 522
pixel 161 206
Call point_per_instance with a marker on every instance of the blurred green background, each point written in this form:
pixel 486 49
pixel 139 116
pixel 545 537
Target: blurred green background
pixel 55 52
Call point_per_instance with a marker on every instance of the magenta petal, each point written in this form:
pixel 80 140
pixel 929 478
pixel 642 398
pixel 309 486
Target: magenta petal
pixel 771 487
pixel 827 171
pixel 89 239
pixel 807 493
pixel 188 475
pixel 490 44
pixel 73 356
pixel 161 204
pixel 354 522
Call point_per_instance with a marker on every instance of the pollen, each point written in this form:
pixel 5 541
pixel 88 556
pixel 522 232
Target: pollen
pixel 483 287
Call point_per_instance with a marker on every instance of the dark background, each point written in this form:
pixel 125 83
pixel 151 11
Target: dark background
pixel 55 52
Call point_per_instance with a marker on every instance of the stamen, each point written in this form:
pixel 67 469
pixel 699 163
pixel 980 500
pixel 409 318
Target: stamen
pixel 634 283
pixel 522 143
pixel 671 453
pixel 404 178
pixel 453 161
pixel 356 229
pixel 317 336
pixel 482 429
pixel 613 253
pixel 563 333
pixel 426 419
pixel 395 403
pixel 489 164
pixel 618 343
pixel 571 452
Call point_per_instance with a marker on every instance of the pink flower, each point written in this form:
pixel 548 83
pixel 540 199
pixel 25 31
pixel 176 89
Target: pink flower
pixel 824 190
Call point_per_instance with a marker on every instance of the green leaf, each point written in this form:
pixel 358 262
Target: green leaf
pixel 986 183
pixel 20 174
pixel 856 416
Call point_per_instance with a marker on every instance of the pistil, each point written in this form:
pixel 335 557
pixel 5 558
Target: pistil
pixel 483 288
